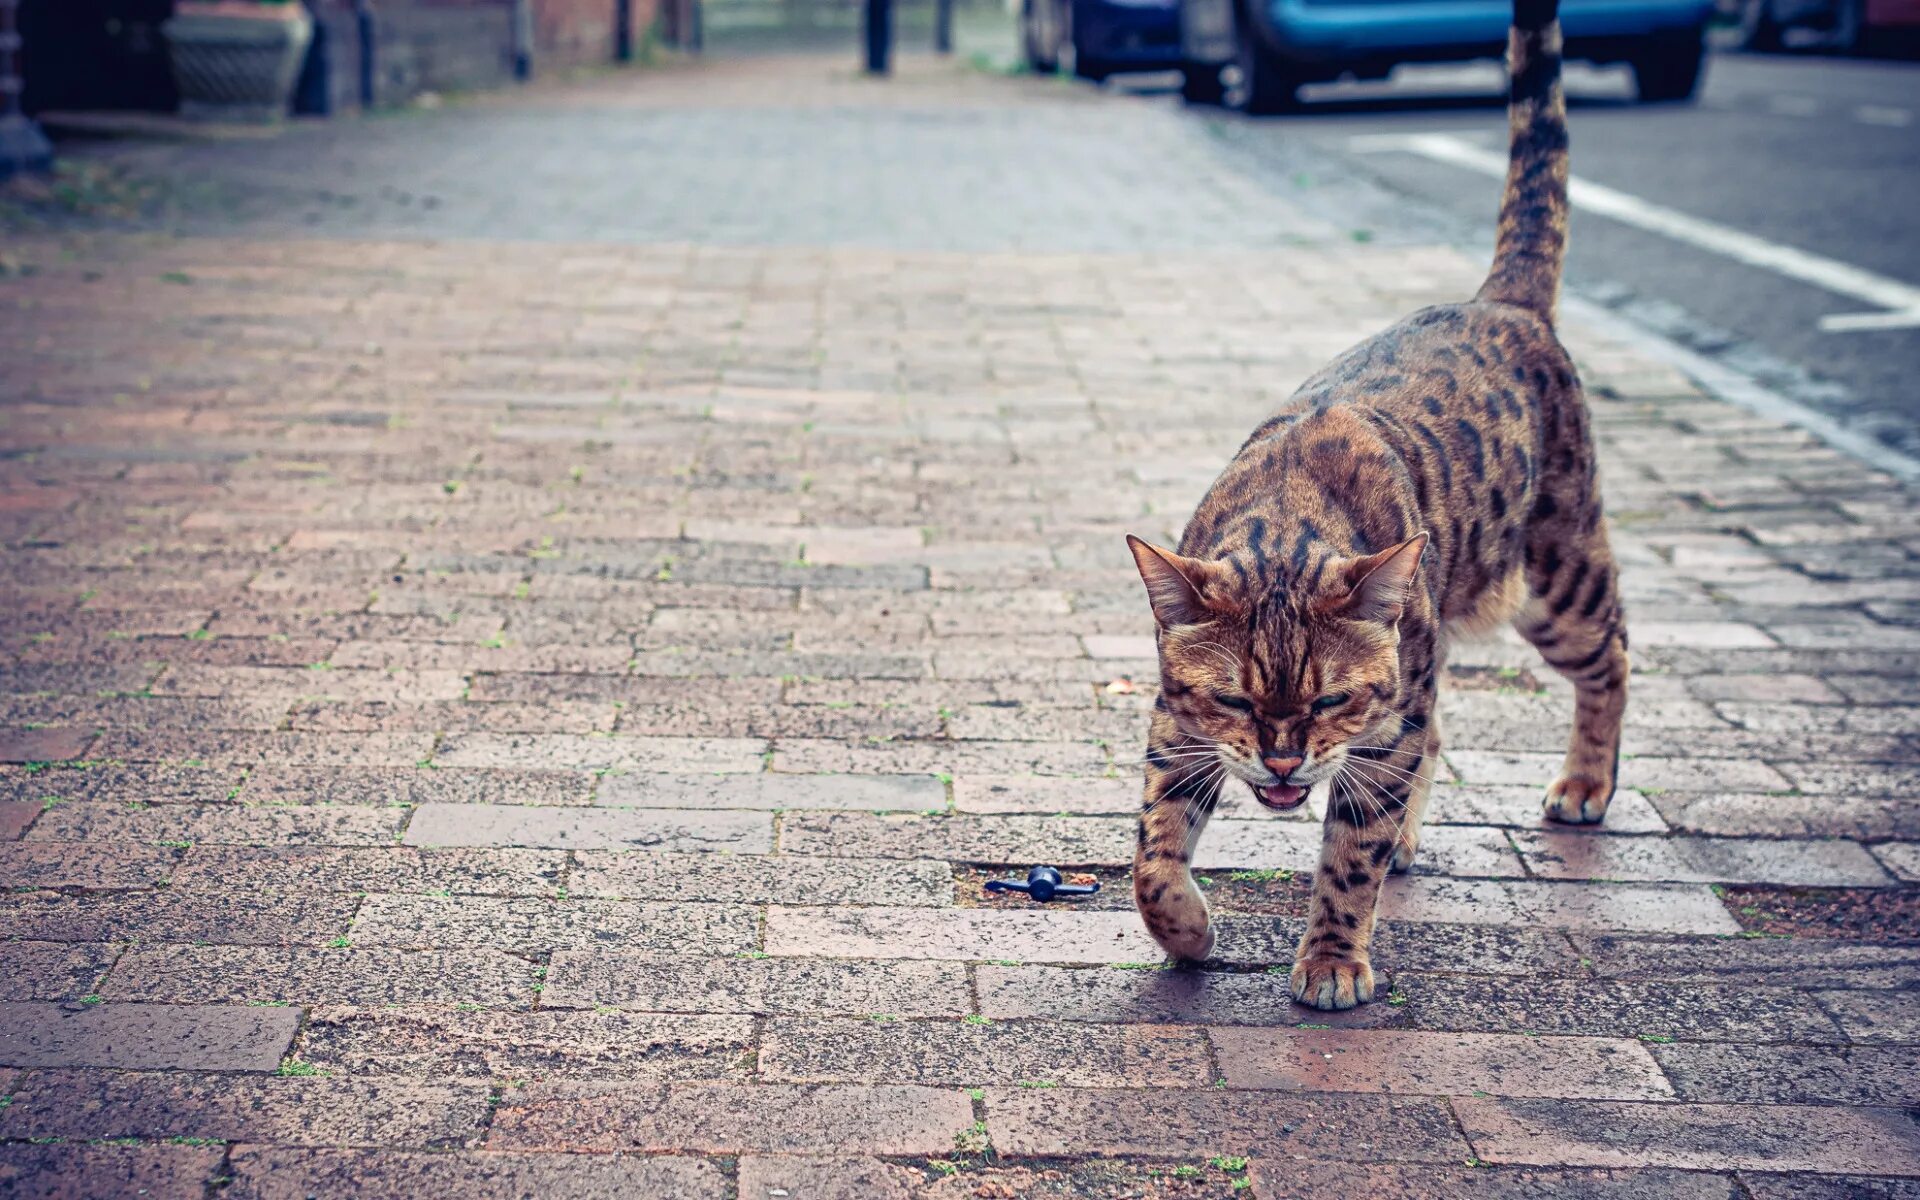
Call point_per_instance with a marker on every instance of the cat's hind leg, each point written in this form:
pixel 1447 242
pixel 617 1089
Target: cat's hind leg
pixel 1183 780
pixel 1573 617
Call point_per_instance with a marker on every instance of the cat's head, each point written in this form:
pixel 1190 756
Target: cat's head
pixel 1282 685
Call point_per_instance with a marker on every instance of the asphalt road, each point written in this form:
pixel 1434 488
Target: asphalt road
pixel 1813 154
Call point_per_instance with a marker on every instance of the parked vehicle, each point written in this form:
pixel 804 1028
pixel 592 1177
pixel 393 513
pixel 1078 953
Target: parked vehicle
pixel 1277 45
pixel 1101 37
pixel 1843 24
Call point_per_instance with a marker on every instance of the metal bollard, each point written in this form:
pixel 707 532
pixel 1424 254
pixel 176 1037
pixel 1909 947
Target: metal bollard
pixel 878 16
pixel 943 26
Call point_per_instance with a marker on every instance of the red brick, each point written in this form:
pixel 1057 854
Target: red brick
pixel 250 870
pixel 272 1173
pixel 1438 1064
pixel 1693 1136
pixel 229 917
pixel 43 745
pixel 146 1037
pixel 1699 860
pixel 767 791
pixel 53 971
pixel 731 1118
pixel 1043 796
pixel 756 879
pixel 583 752
pixel 228 824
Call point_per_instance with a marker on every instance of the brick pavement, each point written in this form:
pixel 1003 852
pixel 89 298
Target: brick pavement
pixel 516 695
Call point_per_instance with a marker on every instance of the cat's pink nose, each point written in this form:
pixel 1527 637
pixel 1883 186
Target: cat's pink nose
pixel 1283 765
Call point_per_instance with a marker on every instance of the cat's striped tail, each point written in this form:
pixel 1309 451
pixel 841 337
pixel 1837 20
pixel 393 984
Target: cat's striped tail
pixel 1533 213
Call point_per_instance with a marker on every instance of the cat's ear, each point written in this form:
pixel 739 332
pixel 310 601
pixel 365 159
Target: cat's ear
pixel 1174 584
pixel 1379 583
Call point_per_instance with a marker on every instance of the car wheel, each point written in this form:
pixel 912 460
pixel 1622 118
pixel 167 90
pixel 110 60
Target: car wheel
pixel 1758 28
pixel 1200 83
pixel 1668 68
pixel 1264 85
pixel 1040 51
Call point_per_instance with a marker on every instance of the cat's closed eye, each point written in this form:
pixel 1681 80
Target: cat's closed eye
pixel 1237 703
pixel 1330 700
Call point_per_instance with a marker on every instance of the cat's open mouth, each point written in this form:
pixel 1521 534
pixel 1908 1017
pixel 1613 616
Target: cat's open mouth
pixel 1281 797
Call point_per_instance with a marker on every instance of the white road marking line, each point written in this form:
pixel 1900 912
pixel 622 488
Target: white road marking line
pixel 1874 114
pixel 1829 274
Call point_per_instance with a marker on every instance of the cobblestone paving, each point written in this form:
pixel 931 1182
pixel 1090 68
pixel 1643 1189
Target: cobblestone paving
pixel 518 696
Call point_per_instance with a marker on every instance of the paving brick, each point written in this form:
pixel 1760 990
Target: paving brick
pixel 144 783
pixel 1875 1017
pixel 43 745
pixel 535 926
pixel 369 975
pixel 1438 1064
pixel 53 970
pixel 1794 962
pixel 215 748
pixel 146 1037
pixel 1798 1186
pixel 442 1043
pixel 292 1112
pixel 758 879
pixel 731 1118
pixel 174 916
pixel 15 816
pixel 815 756
pixel 578 752
pixel 252 870
pixel 799 987
pixel 1750 1074
pixel 959 933
pixel 1519 806
pixel 883 793
pixel 1802 816
pixel 1204 1122
pixel 1699 860
pixel 70 1172
pixel 1900 858
pixel 90 865
pixel 1609 1008
pixel 949 1052
pixel 740 832
pixel 1145 993
pixel 1695 1136
pixel 1039 795
pixel 273 1173
pixel 1557 905
pixel 1642 773
pixel 222 824
pixel 1062 841
pixel 1286 1180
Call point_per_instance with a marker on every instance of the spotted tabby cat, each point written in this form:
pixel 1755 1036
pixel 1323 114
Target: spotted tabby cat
pixel 1437 478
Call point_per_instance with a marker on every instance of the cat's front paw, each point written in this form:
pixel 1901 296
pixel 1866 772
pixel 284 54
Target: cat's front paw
pixel 1332 983
pixel 1176 915
pixel 1405 849
pixel 1578 799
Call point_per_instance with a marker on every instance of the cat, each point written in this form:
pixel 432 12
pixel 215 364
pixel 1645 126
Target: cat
pixel 1437 478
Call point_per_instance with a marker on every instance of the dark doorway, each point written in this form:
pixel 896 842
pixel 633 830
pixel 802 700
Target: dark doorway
pixel 96 54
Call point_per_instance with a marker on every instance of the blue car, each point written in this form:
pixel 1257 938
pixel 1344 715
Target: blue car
pixel 1275 46
pixel 1101 37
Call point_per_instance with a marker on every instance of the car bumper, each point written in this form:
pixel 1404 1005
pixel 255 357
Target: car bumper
pixel 1392 31
pixel 1130 35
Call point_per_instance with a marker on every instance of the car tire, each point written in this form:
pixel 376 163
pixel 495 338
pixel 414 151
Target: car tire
pixel 1759 30
pixel 1265 86
pixel 1041 60
pixel 1200 83
pixel 1667 69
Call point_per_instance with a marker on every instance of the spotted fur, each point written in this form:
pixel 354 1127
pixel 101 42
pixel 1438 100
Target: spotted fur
pixel 1437 478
